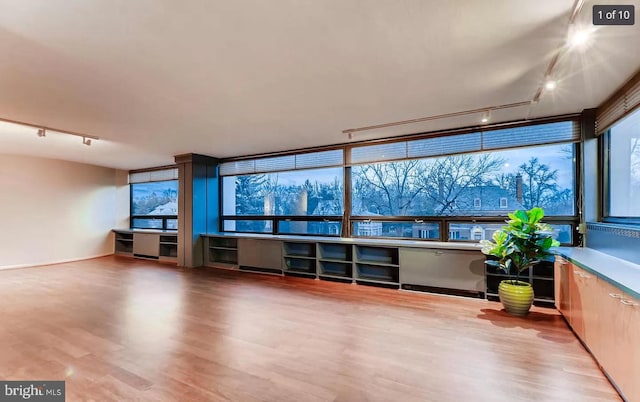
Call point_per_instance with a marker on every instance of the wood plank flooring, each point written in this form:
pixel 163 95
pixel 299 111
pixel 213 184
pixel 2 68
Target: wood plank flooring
pixel 119 329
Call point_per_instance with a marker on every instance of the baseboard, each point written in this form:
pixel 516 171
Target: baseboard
pixel 2 267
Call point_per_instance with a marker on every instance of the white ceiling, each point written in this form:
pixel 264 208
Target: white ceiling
pixel 157 78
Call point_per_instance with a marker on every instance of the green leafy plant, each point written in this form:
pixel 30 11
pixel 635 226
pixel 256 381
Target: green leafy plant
pixel 524 242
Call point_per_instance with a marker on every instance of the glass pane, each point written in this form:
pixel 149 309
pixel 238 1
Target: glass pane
pixel 303 192
pixel 310 227
pixel 445 145
pixel 624 167
pixel 484 231
pixel 172 224
pixel 479 184
pixel 309 160
pixel 527 135
pixel 155 198
pixel 379 152
pixel 147 223
pixel 407 230
pixel 260 226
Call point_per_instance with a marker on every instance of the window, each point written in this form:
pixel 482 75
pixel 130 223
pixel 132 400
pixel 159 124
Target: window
pixel 475 231
pixel 398 229
pixel 316 192
pixel 623 150
pixel 284 194
pixel 476 184
pixel 472 184
pixel 410 188
pixel 154 201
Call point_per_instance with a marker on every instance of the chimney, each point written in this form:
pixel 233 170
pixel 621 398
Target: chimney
pixel 519 195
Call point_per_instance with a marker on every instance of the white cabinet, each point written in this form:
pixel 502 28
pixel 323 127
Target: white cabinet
pixel 260 255
pixel 146 245
pixel 448 269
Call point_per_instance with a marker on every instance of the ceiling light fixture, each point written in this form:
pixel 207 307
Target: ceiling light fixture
pixel 578 37
pixel 550 85
pixel 573 32
pixel 486 116
pixel 86 141
pixel 42 132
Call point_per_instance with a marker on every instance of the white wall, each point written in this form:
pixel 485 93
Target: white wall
pixel 55 211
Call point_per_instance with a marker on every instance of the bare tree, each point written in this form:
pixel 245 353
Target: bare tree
pixel 445 179
pixel 388 188
pixel 539 183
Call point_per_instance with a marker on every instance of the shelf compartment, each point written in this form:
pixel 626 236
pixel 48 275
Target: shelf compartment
pixel 332 251
pixel 124 246
pixel 543 289
pixel 377 273
pixel 300 249
pixel 168 250
pixel 306 265
pixel 124 236
pixel 377 255
pixel 543 270
pixel 336 269
pixel 171 239
pixel 223 242
pixel 225 256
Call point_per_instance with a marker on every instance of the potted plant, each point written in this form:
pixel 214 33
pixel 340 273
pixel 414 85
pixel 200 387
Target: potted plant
pixel 520 245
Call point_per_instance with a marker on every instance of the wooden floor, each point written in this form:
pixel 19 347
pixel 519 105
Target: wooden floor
pixel 122 330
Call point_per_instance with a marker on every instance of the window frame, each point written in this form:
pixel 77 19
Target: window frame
pixel 347 220
pixel 604 153
pixel 165 218
pixel 277 219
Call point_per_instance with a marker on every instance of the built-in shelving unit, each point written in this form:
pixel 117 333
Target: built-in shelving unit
pixel 410 265
pixel 541 277
pixel 377 265
pixel 223 251
pixel 124 243
pixel 335 261
pixel 147 244
pixel 299 258
pixel 169 247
